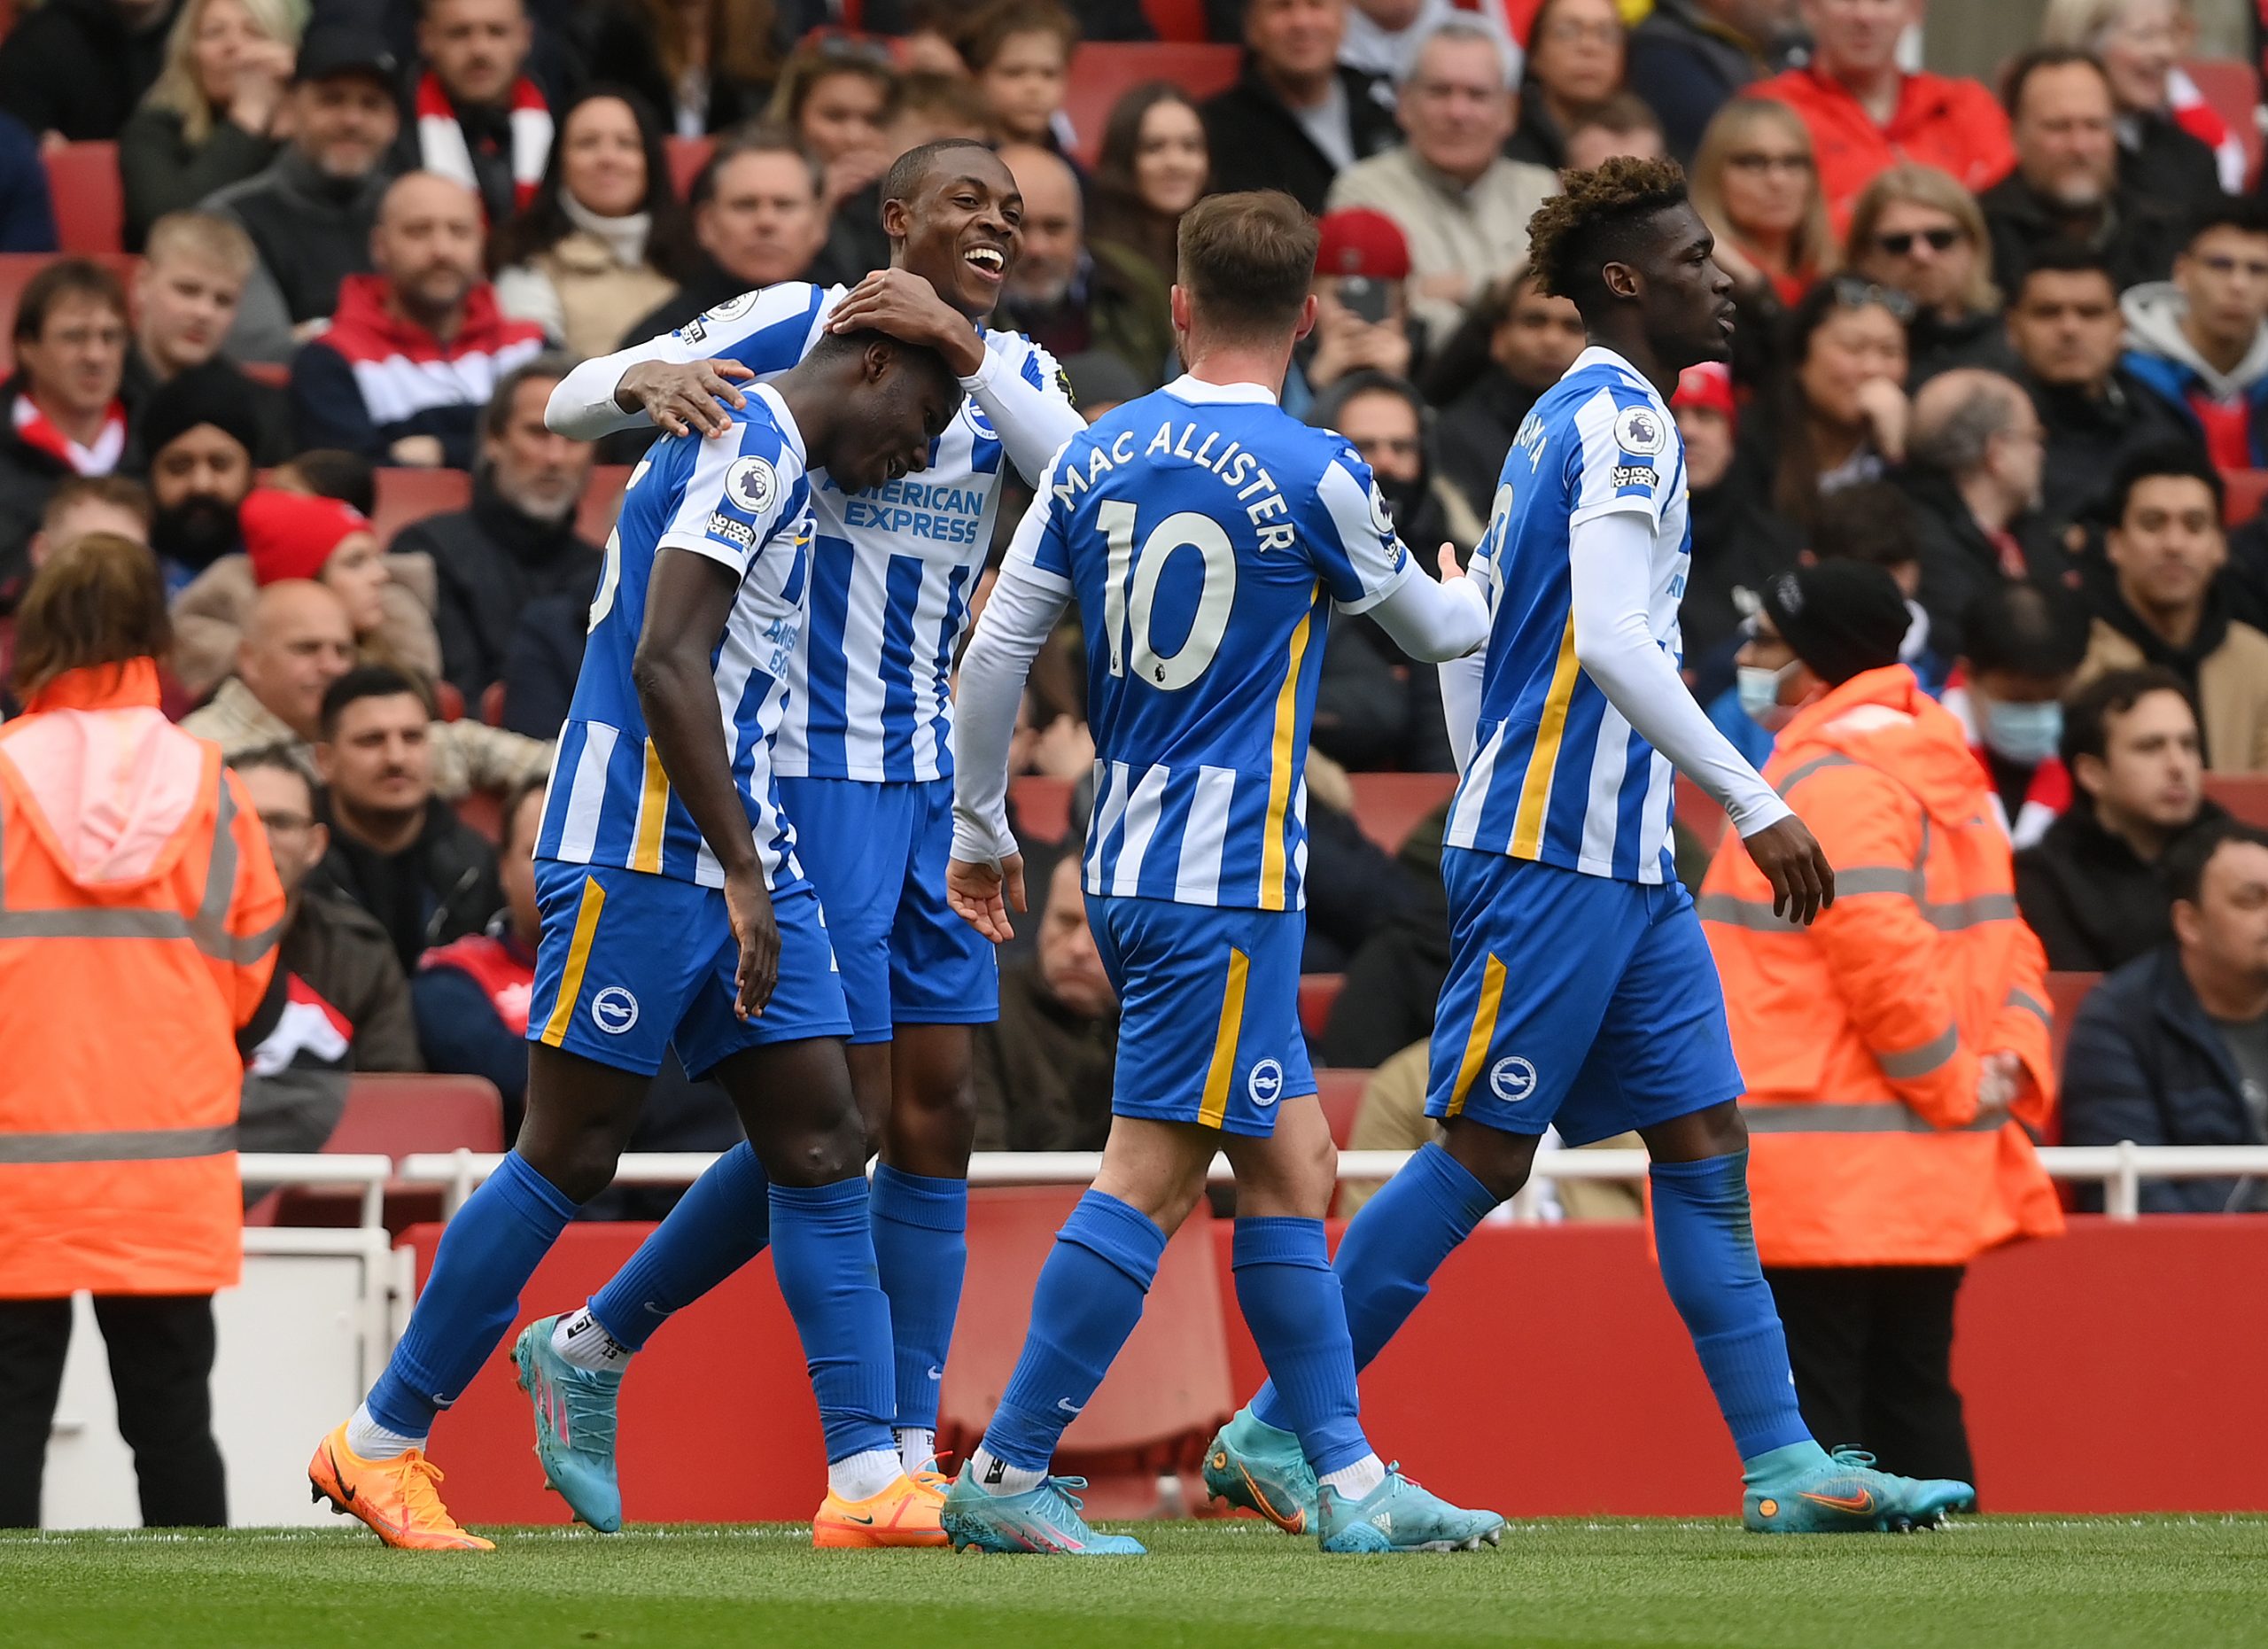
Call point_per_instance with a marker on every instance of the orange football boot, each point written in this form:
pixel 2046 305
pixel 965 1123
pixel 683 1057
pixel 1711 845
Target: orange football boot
pixel 395 1497
pixel 904 1514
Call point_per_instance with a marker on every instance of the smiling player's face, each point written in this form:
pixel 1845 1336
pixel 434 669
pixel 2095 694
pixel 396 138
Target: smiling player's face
pixel 1689 300
pixel 962 228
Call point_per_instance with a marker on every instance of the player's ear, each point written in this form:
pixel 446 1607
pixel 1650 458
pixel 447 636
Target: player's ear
pixel 1307 319
pixel 874 364
pixel 1177 306
pixel 895 219
pixel 1620 280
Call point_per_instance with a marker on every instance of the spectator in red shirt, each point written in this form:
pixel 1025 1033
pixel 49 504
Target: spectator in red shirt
pixel 1867 114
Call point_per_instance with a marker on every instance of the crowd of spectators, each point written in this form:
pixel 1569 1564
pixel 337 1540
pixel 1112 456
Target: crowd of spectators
pixel 2007 341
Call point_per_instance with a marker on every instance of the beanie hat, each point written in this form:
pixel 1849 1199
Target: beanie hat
pixel 1842 618
pixel 1356 240
pixel 214 394
pixel 291 535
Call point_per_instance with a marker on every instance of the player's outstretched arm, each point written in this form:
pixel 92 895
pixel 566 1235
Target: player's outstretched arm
pixel 689 600
pixel 646 384
pixel 1436 622
pixel 1610 559
pixel 986 878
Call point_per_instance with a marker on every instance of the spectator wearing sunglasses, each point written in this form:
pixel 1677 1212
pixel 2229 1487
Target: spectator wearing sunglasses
pixel 2065 186
pixel 1917 232
pixel 2198 341
pixel 1756 187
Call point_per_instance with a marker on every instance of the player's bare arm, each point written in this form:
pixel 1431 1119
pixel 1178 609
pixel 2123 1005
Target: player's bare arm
pixel 904 304
pixel 687 603
pixel 1803 882
pixel 684 396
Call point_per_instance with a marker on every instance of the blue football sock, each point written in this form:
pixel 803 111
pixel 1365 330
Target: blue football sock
pixel 486 1256
pixel 718 1226
pixel 1292 1303
pixel 1390 1252
pixel 1708 1266
pixel 823 1254
pixel 1089 1298
pixel 921 1249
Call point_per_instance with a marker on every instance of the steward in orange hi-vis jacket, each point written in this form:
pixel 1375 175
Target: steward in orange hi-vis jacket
pixel 139 911
pixel 1896 1051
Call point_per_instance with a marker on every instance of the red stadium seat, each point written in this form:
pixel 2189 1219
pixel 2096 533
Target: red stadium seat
pixel 2245 489
pixel 16 271
pixel 1317 992
pixel 448 701
pixel 90 201
pixel 492 704
pixel 396 1116
pixel 1388 806
pixel 601 502
pixel 1181 21
pixel 1102 72
pixel 1164 1397
pixel 2244 794
pixel 687 156
pixel 1341 1094
pixel 484 810
pixel 2233 88
pixel 1041 806
pixel 274 374
pixel 2065 992
pixel 407 496
pixel 1699 814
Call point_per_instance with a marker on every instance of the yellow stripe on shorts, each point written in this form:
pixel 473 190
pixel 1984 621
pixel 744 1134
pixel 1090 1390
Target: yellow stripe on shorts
pixel 1215 1107
pixel 1484 1031
pixel 579 958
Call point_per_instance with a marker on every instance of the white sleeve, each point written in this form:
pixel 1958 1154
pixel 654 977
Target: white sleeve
pixel 1461 680
pixel 1610 561
pixel 1032 419
pixel 1432 622
pixel 767 332
pixel 1017 621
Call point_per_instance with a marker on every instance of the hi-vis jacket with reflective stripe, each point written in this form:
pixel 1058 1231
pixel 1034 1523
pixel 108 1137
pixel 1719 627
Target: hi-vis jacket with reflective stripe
pixel 139 911
pixel 1862 1036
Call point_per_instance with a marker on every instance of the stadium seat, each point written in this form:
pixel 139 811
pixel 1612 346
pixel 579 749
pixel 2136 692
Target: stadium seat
pixel 601 502
pixel 395 1116
pixel 1341 1091
pixel 484 810
pixel 1388 806
pixel 687 156
pixel 1041 806
pixel 2065 992
pixel 2244 794
pixel 1102 72
pixel 2245 490
pixel 492 704
pixel 1317 992
pixel 448 701
pixel 2233 88
pixel 407 496
pixel 90 201
pixel 1181 21
pixel 274 374
pixel 16 271
pixel 1164 1397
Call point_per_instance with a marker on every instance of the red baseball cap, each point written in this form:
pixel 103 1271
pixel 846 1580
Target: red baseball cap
pixel 1706 387
pixel 291 535
pixel 1358 241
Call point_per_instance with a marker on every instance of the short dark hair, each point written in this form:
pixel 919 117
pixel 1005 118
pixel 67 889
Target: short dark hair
pixel 989 28
pixel 120 491
pixel 2087 712
pixel 1624 114
pixel 273 758
pixel 334 473
pixel 732 146
pixel 912 169
pixel 2166 458
pixel 2064 257
pixel 2246 214
pixel 2025 627
pixel 1248 260
pixel 2194 849
pixel 834 346
pixel 1365 381
pixel 65 277
pixel 547 366
pixel 2038 57
pixel 1592 221
pixel 369 682
pixel 1872 521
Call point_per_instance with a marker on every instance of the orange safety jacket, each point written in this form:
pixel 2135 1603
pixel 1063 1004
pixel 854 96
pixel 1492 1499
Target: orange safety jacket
pixel 1861 1037
pixel 139 915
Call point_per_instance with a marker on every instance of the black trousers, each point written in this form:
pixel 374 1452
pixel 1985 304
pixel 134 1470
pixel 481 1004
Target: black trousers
pixel 1872 1348
pixel 161 1367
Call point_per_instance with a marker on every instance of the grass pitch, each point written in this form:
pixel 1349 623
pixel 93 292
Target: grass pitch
pixel 2002 1582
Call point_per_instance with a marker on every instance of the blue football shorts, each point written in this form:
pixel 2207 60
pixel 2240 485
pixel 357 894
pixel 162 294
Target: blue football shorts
pixel 1209 1028
pixel 1575 999
pixel 631 964
pixel 877 854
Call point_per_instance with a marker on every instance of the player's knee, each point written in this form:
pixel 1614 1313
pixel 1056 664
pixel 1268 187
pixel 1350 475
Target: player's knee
pixel 1498 1160
pixel 820 1155
pixel 581 1168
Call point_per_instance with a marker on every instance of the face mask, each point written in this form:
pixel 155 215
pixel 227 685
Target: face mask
pixel 1403 500
pixel 195 533
pixel 2026 735
pixel 1759 693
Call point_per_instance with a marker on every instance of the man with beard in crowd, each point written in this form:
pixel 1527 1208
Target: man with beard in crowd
pixel 200 429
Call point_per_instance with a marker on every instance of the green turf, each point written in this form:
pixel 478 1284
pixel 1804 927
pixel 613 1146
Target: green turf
pixel 2003 1584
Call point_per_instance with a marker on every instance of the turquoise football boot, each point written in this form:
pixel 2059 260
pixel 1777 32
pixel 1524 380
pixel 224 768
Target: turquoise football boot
pixel 574 1427
pixel 1399 1516
pixel 1255 1466
pixel 1842 1493
pixel 1043 1519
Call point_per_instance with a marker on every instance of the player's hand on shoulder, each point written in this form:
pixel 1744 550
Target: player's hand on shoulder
pixel 901 304
pixel 748 906
pixel 982 894
pixel 684 396
pixel 1803 882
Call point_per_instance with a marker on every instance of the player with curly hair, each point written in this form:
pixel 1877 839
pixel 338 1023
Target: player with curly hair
pixel 1581 994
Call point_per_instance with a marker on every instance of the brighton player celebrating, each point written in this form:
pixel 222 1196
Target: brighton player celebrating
pixel 1581 990
pixel 1207 538
pixel 675 914
pixel 864 760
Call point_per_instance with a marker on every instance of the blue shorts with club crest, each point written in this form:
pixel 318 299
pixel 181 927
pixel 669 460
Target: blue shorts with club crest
pixel 1574 1001
pixel 631 963
pixel 1208 998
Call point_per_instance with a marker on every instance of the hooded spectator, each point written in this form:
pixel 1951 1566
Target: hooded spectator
pixel 1295 119
pixel 72 70
pixel 2200 341
pixel 1916 231
pixel 65 415
pixel 213 117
